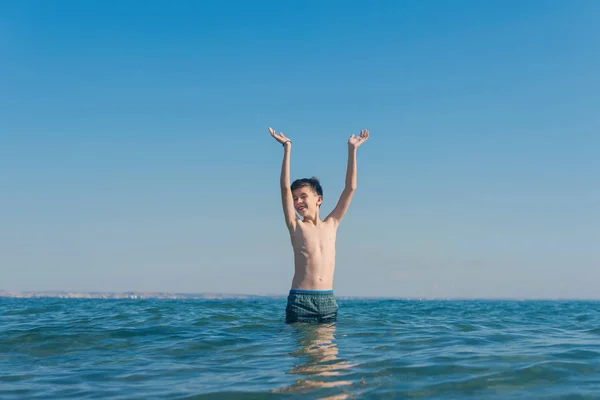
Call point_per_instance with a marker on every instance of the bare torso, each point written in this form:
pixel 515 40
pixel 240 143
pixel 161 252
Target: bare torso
pixel 314 255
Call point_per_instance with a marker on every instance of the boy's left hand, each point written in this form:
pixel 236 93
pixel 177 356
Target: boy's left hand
pixel 356 141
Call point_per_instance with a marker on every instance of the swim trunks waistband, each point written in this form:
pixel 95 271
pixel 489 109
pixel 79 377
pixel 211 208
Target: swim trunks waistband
pixel 304 291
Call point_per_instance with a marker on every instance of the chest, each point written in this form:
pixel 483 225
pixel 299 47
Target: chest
pixel 310 236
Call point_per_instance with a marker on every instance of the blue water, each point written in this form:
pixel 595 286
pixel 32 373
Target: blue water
pixel 229 349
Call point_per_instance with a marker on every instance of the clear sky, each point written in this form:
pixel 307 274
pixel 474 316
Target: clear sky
pixel 135 155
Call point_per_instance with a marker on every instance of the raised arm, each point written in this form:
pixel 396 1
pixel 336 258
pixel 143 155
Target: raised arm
pixel 344 202
pixel 284 180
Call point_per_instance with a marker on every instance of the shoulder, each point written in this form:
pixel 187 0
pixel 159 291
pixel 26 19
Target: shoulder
pixel 331 222
pixel 294 224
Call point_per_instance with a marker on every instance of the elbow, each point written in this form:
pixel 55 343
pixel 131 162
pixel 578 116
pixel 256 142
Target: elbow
pixel 350 188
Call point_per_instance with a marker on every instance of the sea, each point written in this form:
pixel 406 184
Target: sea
pixel 52 348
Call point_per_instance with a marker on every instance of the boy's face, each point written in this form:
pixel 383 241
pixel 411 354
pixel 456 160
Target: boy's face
pixel 306 200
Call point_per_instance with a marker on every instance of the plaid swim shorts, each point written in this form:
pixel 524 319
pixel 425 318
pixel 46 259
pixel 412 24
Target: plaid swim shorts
pixel 311 306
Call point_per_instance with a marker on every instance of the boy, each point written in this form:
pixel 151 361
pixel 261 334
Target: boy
pixel 311 296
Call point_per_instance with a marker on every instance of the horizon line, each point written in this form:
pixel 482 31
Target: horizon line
pixel 229 295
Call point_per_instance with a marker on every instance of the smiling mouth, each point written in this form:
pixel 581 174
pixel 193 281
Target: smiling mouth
pixel 301 209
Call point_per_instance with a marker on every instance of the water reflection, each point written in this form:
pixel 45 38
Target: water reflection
pixel 319 362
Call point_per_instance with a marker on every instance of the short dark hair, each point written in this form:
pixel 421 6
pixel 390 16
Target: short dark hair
pixel 312 182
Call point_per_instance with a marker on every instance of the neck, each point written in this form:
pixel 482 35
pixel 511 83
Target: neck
pixel 313 219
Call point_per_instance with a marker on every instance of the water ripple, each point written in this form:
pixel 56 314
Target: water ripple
pixel 221 349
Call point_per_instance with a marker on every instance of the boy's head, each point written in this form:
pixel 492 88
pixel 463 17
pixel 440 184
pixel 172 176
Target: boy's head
pixel 307 194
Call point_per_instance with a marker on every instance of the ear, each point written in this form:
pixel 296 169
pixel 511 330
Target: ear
pixel 319 200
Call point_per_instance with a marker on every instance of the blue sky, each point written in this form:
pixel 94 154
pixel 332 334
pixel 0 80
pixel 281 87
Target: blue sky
pixel 135 154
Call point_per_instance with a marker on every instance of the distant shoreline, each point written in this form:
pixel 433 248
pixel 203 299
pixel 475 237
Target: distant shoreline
pixel 133 295
pixel 126 295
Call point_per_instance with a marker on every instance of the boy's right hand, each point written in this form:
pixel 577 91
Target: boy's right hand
pixel 280 138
